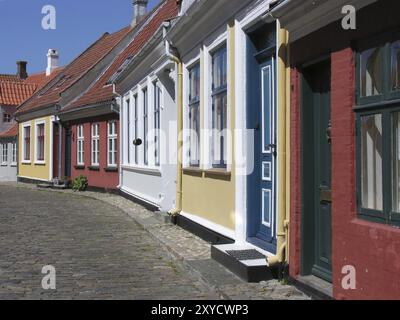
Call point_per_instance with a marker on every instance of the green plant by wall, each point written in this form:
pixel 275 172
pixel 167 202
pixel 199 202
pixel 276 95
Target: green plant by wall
pixel 80 183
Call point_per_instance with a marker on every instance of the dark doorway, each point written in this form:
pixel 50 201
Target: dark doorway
pixel 67 153
pixel 316 172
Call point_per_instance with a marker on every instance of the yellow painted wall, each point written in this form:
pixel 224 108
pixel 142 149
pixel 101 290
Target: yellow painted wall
pixel 32 170
pixel 212 196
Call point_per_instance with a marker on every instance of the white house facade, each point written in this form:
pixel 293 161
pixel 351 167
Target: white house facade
pixel 148 128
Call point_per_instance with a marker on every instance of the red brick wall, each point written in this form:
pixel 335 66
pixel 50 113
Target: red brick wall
pixel 101 178
pixel 295 196
pixel 373 249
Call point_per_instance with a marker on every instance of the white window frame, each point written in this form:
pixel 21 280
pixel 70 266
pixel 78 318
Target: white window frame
pixel 190 66
pixel 80 144
pixel 24 160
pixel 112 147
pixel 219 42
pixel 4 156
pixel 95 142
pixel 37 124
pixel 7 119
pixel 157 87
pixel 128 130
pixel 14 154
pixel 145 128
pixel 136 127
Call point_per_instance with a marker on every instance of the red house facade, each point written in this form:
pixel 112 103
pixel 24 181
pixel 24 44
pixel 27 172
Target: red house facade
pixel 345 236
pixel 101 169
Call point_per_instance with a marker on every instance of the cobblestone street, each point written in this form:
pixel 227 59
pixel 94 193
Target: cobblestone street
pixel 101 252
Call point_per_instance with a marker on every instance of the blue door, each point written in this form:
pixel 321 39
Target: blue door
pixel 261 190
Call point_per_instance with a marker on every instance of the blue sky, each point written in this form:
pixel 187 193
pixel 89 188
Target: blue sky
pixel 79 23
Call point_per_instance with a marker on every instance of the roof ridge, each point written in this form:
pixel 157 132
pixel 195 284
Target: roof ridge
pixel 138 28
pixel 67 67
pixel 100 59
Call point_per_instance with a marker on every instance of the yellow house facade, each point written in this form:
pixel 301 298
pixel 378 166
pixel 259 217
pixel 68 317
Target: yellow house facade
pixel 35 152
pixel 234 160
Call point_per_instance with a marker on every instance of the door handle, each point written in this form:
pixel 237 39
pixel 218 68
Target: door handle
pixel 329 132
pixel 274 148
pixel 137 142
pixel 257 126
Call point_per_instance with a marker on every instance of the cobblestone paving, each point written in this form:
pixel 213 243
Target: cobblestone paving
pixel 98 251
pixel 112 248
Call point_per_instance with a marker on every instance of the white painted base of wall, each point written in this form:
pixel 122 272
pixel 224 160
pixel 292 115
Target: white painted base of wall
pixel 139 196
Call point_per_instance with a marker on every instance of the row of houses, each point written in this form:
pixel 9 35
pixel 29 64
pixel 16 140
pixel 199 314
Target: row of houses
pixel 263 126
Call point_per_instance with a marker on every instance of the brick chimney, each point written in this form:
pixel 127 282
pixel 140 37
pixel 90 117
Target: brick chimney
pixel 21 69
pixel 139 11
pixel 52 61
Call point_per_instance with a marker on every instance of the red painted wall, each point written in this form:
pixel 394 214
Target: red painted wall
pixel 101 178
pixel 372 248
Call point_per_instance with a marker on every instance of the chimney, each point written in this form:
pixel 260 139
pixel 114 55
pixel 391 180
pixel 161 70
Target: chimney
pixel 52 61
pixel 21 70
pixel 139 11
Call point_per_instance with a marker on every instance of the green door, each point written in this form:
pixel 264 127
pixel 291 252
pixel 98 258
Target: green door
pixel 317 172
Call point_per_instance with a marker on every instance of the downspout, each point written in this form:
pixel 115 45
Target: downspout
pixel 178 207
pixel 288 154
pixel 279 258
pixel 121 155
pixel 59 149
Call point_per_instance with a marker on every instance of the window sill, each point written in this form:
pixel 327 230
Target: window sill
pixel 379 221
pixel 143 170
pixel 218 173
pixel 111 169
pixel 4 165
pixel 79 167
pixel 94 168
pixel 221 171
pixel 40 163
pixel 26 162
pixel 14 164
pixel 193 170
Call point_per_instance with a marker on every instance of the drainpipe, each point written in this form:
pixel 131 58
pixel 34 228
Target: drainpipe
pixel 282 224
pixel 178 208
pixel 59 148
pixel 121 155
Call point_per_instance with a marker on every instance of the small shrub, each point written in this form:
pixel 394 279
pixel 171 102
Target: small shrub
pixel 80 183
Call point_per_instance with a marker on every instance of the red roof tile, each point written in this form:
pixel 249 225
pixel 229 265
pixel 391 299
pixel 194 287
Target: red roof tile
pixel 41 79
pixel 10 77
pixel 100 91
pixel 14 93
pixel 12 132
pixel 50 93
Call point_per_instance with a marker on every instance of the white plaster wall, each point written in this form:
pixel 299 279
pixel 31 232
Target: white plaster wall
pixel 8 171
pixel 154 185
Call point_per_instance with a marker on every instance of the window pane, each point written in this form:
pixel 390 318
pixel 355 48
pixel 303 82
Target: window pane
pixel 371 72
pixel 194 151
pixel 219 63
pixel 396 162
pixel 219 129
pixel 371 162
pixel 395 51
